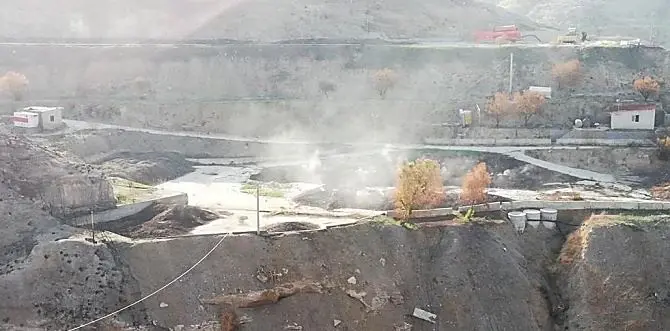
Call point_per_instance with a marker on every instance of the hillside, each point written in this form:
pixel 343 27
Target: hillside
pixel 64 186
pixel 392 19
pixel 265 20
pixel 639 19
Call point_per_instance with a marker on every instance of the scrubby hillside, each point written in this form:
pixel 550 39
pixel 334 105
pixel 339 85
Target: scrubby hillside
pixel 615 274
pixel 640 19
pixel 249 19
pixel 277 20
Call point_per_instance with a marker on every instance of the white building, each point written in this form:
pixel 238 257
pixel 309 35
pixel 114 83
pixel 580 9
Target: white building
pixel 543 90
pixel 45 118
pixel 633 117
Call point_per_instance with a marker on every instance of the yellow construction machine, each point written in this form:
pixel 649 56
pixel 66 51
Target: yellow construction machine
pixel 571 37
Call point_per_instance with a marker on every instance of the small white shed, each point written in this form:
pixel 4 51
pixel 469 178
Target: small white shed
pixel 49 118
pixel 633 117
pixel 24 119
pixel 543 90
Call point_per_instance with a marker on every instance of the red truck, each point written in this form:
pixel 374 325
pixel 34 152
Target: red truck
pixel 509 33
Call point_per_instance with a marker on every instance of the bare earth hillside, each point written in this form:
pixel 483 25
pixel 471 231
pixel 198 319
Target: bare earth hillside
pixel 264 20
pixel 617 275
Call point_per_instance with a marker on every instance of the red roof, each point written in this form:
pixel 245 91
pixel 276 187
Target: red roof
pixel 633 107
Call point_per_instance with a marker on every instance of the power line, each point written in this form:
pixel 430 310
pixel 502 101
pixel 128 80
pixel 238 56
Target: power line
pixel 156 291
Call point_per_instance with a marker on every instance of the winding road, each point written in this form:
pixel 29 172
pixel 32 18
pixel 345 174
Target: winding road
pixel 516 152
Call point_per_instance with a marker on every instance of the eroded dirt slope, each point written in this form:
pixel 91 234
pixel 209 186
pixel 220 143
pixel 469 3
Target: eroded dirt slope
pixel 62 184
pixel 617 278
pixel 472 277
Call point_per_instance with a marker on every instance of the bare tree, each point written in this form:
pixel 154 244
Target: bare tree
pixel 418 185
pixel 475 183
pixel 528 104
pixel 499 106
pixel 567 74
pixel 384 80
pixel 646 86
pixel 15 84
pixel 326 87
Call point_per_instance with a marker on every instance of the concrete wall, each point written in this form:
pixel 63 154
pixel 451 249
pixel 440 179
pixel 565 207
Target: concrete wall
pixel 538 204
pixel 128 210
pixel 45 119
pixel 616 160
pixel 72 195
pixel 274 89
pixel 605 142
pixel 626 120
pixel 489 142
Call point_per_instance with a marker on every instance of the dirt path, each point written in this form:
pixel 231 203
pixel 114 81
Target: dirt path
pixel 512 151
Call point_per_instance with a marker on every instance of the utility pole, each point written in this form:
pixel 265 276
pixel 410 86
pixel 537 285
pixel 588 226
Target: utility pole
pixel 511 72
pixel 258 209
pixel 92 228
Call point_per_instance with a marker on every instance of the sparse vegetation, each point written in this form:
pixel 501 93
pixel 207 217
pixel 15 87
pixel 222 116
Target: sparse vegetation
pixel 499 106
pixel 661 192
pixel 418 185
pixel 646 86
pixel 567 74
pixel 528 104
pixel 475 183
pixel 467 217
pixel 127 191
pixel 391 221
pixel 229 320
pixel 15 84
pixel 663 145
pixel 384 80
pixel 272 190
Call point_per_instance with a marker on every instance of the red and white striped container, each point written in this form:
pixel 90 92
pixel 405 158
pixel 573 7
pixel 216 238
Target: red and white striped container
pixel 24 119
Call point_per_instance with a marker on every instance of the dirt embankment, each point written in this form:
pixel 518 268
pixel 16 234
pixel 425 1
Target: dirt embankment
pixel 364 277
pixel 615 274
pixel 371 275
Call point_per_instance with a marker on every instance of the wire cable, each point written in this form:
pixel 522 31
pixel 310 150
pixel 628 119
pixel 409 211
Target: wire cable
pixel 156 291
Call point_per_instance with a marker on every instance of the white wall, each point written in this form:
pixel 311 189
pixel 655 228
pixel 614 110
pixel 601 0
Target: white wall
pixel 624 120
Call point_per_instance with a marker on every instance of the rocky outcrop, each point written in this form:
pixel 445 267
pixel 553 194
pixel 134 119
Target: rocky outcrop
pixel 64 186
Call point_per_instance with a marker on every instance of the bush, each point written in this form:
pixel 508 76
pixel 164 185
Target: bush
pixel 499 106
pixel 384 80
pixel 646 86
pixel 15 84
pixel 475 183
pixel 567 74
pixel 418 185
pixel 663 145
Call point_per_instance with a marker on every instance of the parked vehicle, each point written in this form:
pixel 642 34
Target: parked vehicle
pixel 505 33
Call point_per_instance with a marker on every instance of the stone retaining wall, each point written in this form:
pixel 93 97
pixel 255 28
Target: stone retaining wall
pixel 537 204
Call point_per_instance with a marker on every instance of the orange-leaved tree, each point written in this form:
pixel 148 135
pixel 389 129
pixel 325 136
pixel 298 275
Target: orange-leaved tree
pixel 499 106
pixel 384 80
pixel 475 183
pixel 418 185
pixel 567 74
pixel 14 83
pixel 528 104
pixel 646 86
